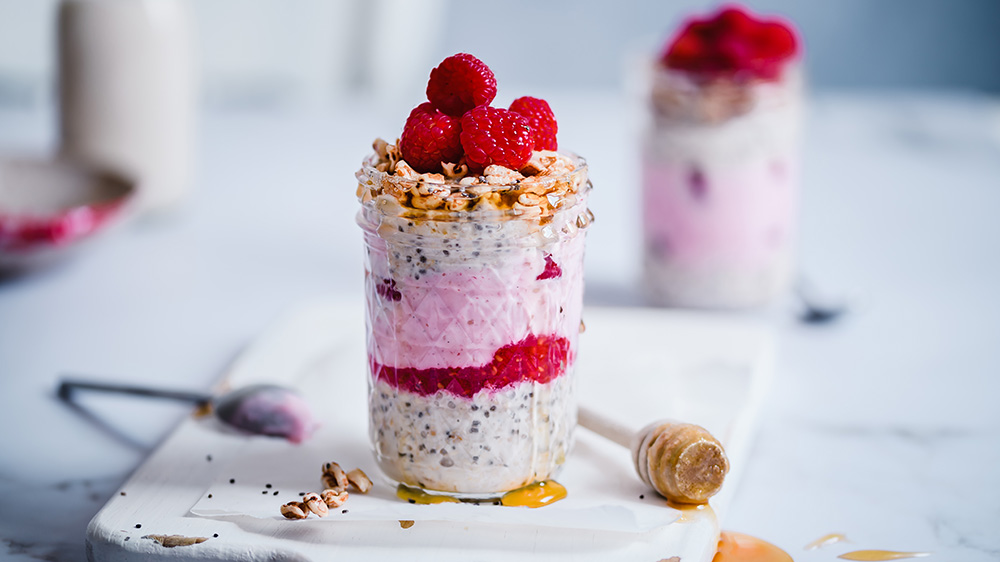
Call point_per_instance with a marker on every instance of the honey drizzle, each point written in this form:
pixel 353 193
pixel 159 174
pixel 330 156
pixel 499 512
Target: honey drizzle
pixel 880 555
pixel 737 547
pixel 688 510
pixel 826 540
pixel 538 494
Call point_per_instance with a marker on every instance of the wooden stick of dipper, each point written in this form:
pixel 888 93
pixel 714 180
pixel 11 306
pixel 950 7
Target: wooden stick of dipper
pixel 681 461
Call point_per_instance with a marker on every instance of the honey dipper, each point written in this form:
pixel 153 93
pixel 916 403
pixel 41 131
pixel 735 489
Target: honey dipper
pixel 681 461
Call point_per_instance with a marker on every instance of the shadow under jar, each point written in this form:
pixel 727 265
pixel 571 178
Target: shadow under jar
pixel 720 187
pixel 472 324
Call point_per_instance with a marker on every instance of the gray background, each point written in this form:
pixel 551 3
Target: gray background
pixel 308 53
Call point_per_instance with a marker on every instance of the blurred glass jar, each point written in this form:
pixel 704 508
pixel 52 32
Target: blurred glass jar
pixel 127 92
pixel 720 166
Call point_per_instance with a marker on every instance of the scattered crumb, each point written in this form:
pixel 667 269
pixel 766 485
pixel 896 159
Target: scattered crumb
pixel 170 541
pixel 405 523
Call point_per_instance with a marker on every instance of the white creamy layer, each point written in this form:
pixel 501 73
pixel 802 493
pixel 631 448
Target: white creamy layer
pixel 670 284
pixel 495 442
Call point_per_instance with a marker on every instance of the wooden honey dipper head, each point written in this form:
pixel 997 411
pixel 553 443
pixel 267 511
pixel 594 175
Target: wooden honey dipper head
pixel 681 461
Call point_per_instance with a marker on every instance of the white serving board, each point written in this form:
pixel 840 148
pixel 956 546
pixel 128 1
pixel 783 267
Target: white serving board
pixel 637 365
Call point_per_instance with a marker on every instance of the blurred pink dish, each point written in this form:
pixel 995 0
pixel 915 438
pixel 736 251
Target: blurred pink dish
pixel 48 207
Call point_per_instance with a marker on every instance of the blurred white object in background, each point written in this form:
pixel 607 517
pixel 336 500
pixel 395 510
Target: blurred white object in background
pixel 401 47
pixel 127 92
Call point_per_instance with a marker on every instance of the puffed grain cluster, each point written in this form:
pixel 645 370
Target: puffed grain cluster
pixel 541 187
pixel 336 482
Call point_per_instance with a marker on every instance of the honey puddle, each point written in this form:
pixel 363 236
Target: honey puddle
pixel 538 494
pixel 880 555
pixel 737 547
pixel 416 495
pixel 827 540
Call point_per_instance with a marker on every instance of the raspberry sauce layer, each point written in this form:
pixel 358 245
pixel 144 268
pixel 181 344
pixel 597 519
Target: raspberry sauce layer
pixel 535 358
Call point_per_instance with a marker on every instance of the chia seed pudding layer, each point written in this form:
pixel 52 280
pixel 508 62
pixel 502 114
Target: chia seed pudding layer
pixel 472 317
pixel 493 442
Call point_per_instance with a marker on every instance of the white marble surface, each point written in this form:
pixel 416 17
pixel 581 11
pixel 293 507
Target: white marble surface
pixel 883 426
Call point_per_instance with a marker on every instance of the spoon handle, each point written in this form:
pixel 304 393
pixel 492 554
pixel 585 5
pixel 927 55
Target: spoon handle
pixel 68 385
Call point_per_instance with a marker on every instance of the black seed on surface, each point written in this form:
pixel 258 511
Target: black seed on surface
pixel 138 525
pixel 267 485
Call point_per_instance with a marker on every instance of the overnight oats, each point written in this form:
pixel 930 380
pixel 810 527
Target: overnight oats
pixel 720 163
pixel 474 237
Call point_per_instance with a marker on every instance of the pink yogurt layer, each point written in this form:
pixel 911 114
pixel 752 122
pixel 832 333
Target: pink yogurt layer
pixel 739 215
pixel 460 315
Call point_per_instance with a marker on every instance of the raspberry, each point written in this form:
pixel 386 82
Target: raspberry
pixel 540 119
pixel 732 41
pixel 430 138
pixel 684 52
pixel 492 135
pixel 460 83
pixel 734 20
pixel 774 39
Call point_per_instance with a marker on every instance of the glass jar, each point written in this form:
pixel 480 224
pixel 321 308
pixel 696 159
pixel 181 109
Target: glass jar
pixel 720 187
pixel 472 323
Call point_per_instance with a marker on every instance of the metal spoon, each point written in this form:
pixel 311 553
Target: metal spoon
pixel 816 312
pixel 260 409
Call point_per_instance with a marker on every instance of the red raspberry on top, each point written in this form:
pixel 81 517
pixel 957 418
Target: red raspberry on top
pixel 492 135
pixel 734 42
pixel 460 83
pixel 540 119
pixel 430 138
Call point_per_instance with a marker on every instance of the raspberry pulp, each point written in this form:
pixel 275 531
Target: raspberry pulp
pixel 551 271
pixel 535 358
pixel 541 120
pixel 460 83
pixel 492 135
pixel 430 138
pixel 732 42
